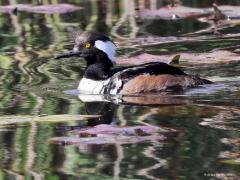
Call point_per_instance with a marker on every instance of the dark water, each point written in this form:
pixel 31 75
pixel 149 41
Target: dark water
pixel 206 137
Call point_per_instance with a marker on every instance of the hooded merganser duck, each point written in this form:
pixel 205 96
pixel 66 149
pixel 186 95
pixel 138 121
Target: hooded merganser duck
pixel 101 77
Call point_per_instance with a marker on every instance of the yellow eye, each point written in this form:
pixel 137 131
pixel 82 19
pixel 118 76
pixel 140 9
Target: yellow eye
pixel 88 45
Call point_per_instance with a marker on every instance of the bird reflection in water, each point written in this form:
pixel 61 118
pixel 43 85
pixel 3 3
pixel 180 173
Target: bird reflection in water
pixel 110 107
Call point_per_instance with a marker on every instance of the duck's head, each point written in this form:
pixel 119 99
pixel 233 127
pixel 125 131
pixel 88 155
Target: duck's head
pixel 92 46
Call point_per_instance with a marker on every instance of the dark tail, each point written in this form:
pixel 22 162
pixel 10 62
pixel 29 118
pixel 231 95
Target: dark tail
pixel 205 81
pixel 200 81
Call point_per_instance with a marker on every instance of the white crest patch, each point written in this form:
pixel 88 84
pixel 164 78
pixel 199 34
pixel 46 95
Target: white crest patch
pixel 108 47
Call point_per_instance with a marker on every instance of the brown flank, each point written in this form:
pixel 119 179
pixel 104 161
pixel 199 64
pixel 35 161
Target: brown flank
pixel 151 83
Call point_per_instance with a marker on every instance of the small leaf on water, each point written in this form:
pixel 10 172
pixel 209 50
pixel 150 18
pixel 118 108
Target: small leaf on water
pixel 105 140
pixel 109 134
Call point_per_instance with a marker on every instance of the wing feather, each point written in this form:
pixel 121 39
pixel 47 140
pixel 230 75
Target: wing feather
pixel 155 76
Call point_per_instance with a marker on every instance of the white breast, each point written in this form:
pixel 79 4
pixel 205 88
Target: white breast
pixel 88 86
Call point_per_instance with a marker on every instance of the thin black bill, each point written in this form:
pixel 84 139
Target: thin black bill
pixel 68 54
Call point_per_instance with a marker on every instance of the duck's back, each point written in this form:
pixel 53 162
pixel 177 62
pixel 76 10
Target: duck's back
pixel 150 77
